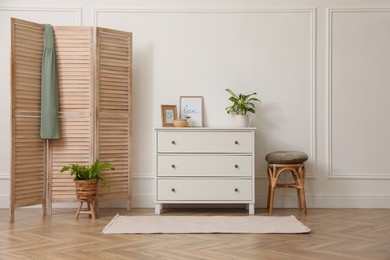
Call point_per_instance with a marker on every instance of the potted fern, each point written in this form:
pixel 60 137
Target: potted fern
pixel 86 178
pixel 242 105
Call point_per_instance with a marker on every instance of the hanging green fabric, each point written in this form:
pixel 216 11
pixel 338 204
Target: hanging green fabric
pixel 49 88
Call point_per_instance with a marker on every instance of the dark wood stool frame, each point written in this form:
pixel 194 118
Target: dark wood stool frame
pixel 298 173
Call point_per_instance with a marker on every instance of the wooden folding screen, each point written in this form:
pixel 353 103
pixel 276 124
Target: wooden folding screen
pixel 95 112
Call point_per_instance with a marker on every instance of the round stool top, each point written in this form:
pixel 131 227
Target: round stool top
pixel 286 157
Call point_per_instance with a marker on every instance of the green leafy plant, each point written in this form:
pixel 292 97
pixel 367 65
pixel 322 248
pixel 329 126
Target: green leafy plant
pixel 91 172
pixel 242 104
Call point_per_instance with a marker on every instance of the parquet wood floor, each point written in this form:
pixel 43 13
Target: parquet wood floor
pixel 336 234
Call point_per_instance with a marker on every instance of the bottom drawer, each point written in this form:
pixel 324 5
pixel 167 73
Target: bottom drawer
pixel 204 190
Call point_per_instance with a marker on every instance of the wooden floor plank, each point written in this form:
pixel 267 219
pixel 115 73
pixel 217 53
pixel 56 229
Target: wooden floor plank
pixel 336 234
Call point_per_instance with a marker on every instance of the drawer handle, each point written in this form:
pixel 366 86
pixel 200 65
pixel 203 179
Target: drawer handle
pixel 173 142
pixel 173 166
pixel 236 189
pixel 236 166
pixel 235 142
pixel 173 190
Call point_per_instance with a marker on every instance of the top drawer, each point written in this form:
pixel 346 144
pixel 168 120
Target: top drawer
pixel 201 142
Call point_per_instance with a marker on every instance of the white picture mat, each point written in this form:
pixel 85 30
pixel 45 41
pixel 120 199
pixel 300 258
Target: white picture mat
pixel 192 107
pixel 169 116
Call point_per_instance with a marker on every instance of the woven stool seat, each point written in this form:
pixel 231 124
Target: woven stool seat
pixel 286 162
pixel 286 157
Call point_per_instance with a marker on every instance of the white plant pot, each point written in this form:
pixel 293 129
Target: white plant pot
pixel 241 120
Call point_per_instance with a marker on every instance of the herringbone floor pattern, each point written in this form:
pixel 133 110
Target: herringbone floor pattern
pixel 336 234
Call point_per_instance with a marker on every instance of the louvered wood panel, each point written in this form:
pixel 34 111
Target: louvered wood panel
pixel 74 49
pixel 28 149
pixel 29 162
pixel 113 133
pixel 114 148
pixel 74 146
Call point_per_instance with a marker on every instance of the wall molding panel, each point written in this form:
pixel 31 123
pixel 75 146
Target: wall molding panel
pixel 313 53
pixel 330 31
pixel 77 10
pixel 102 14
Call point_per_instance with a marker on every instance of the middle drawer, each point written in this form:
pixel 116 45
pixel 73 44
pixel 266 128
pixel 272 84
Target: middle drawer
pixel 204 165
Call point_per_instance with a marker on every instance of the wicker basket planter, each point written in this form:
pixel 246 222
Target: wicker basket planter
pixel 86 190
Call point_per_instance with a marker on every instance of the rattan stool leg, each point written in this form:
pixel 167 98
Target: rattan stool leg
pixel 271 201
pixel 301 183
pixel 273 179
pixel 303 199
pixel 269 195
pixel 298 191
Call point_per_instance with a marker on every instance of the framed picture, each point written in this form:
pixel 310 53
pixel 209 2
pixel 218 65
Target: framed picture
pixel 168 114
pixel 191 108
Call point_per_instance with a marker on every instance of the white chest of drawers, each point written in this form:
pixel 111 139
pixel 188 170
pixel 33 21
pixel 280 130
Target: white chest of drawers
pixel 205 165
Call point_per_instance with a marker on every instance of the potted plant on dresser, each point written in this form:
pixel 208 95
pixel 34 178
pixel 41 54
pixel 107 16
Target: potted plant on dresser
pixel 86 179
pixel 242 105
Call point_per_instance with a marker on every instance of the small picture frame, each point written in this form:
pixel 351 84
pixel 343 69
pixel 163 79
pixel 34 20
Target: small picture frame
pixel 168 114
pixel 191 108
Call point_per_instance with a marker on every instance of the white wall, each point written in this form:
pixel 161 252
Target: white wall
pixel 319 67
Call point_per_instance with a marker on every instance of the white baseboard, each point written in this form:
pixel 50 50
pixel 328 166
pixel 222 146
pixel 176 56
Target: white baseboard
pixel 285 202
pixel 4 202
pixel 329 202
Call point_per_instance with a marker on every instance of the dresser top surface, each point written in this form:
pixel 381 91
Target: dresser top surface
pixel 205 129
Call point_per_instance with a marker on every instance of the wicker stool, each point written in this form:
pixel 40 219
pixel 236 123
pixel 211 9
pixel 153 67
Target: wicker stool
pixel 286 161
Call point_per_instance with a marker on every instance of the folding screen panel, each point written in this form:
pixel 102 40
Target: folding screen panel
pixel 75 61
pixel 28 168
pixel 94 108
pixel 113 132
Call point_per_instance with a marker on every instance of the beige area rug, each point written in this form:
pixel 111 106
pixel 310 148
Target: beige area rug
pixel 203 224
